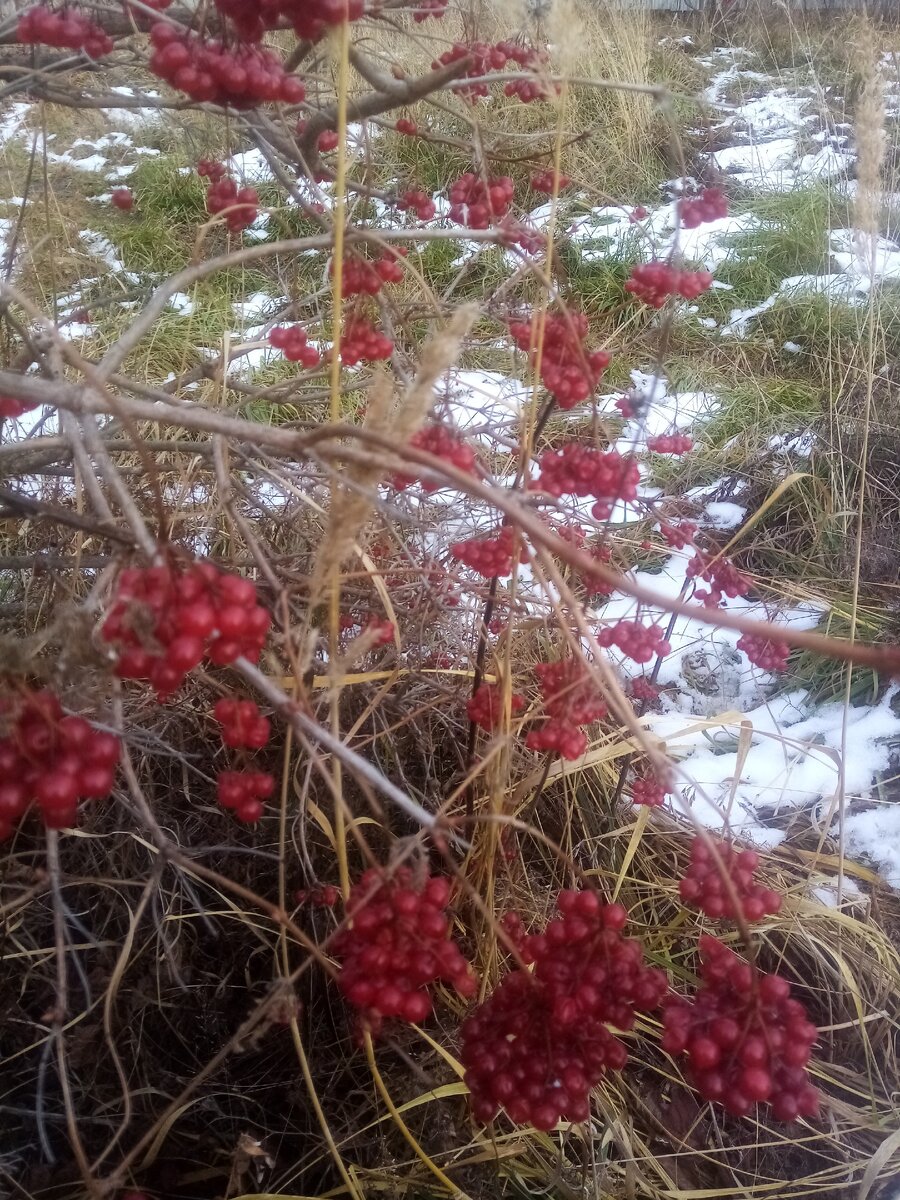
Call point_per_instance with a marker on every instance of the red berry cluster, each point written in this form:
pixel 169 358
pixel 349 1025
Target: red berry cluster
pixel 490 556
pixel 244 792
pixel 326 141
pixel 442 442
pixel 747 1041
pixel 539 1042
pixel 766 653
pixel 379 630
pixel 309 18
pixel 570 698
pixel 166 619
pixel 642 689
pixel 323 895
pixel 636 640
pixel 638 214
pixel 549 181
pixel 595 584
pixel 209 71
pixel 211 169
pixel 429 8
pixel 485 58
pixel 398 944
pixel 654 282
pixel 10 407
pixel 670 443
pixel 312 18
pixel 648 789
pixel 50 759
pixel 359 276
pixel 721 574
pixel 585 471
pixel 704 883
pixel 362 342
pixel 680 535
pixel 122 198
pixel 65 30
pixel 419 202
pixel 569 372
pixel 406 126
pixel 530 59
pixel 478 203
pixel 243 725
pixel 240 206
pixel 710 205
pixel 517 233
pixel 292 340
pixel 485 708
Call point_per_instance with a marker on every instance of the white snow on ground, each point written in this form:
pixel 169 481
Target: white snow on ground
pixel 486 403
pixel 875 835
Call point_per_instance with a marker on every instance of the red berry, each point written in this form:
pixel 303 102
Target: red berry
pixel 123 198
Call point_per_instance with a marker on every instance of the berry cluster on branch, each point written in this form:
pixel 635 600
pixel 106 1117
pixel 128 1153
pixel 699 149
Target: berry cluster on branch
pixel 51 760
pixel 164 620
pixel 569 371
pixel 747 1040
pixel 397 945
pixel 540 1042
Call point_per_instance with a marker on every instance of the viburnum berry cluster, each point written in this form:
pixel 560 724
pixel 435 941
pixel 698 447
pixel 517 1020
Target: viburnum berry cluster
pixel 326 141
pixel 491 556
pixel 406 126
pixel 50 759
pixel 292 340
pixel 484 59
pixel 122 198
pixel 655 282
pixel 540 1042
pixel 239 205
pixel 362 342
pixel 670 443
pixel 570 698
pixel 485 706
pixel 209 71
pixel 529 58
pixel 768 654
pixel 479 203
pixel 211 169
pixel 549 181
pixel 442 442
pixel 586 471
pixel 747 1040
pixel 360 276
pixel 417 201
pixel 644 690
pixel 309 18
pixel 323 895
pixel 721 574
pixel 569 371
pixel 243 792
pixel 165 619
pixel 66 29
pixel 710 205
pixel 650 790
pixel 243 725
pixel 397 945
pixel 680 535
pixel 635 640
pixel 429 8
pixel 12 408
pixel 704 882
